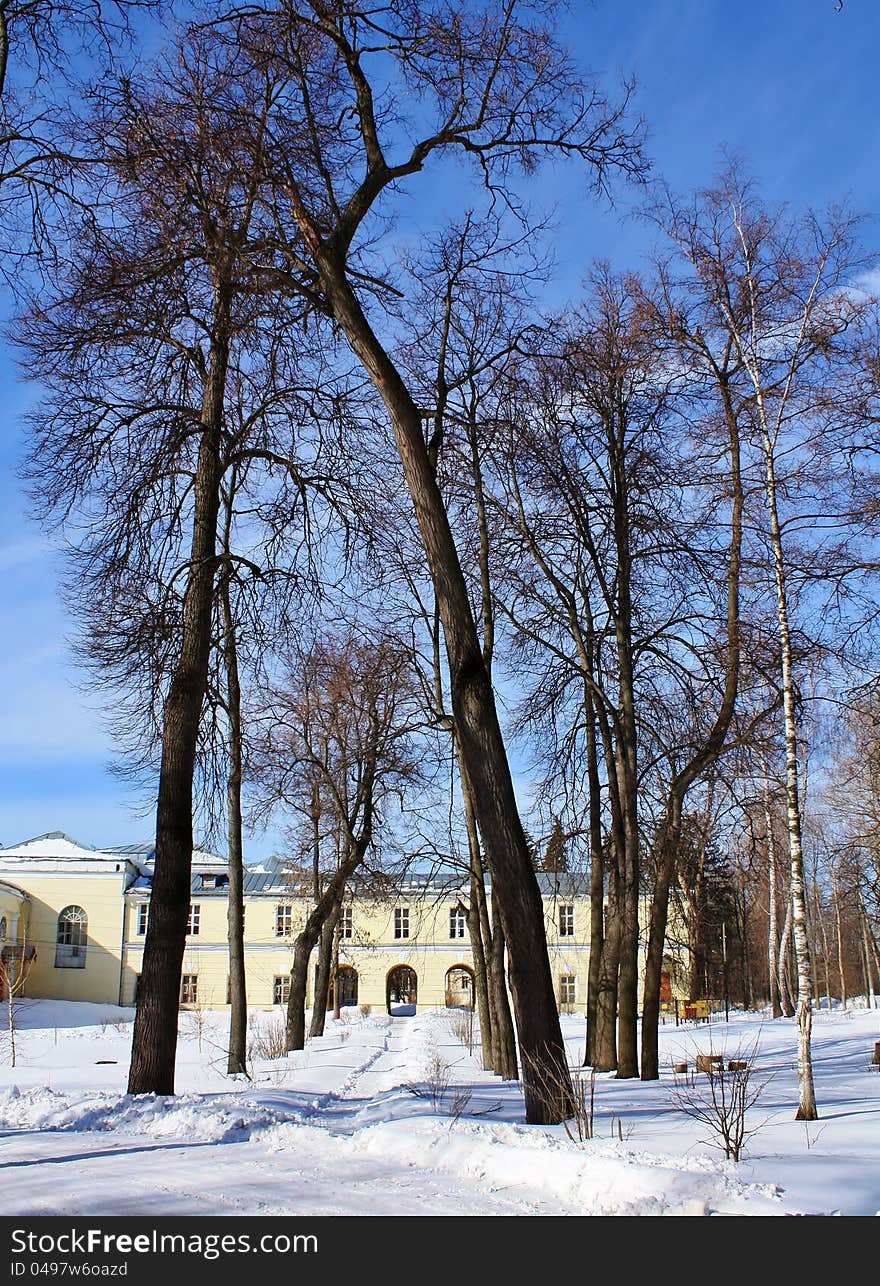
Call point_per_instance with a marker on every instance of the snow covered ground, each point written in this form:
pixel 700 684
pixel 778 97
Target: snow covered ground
pixel 391 1116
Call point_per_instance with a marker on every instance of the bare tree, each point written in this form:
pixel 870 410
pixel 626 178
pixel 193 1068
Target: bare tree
pixel 340 748
pixel 154 311
pixel 776 289
pixel 343 66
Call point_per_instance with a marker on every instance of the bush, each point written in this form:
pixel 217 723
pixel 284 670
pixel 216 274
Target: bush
pixel 461 1024
pixel 720 1097
pixel 269 1041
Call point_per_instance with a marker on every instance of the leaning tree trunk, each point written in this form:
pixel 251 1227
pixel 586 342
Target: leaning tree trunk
pixel 546 1078
pixel 154 1041
pixel 326 905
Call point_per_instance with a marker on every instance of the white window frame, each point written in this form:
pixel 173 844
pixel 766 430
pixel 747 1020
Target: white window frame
pixel 401 922
pixel 71 938
pixel 457 923
pixel 283 920
pixel 189 983
pixel 280 988
pixel 194 922
pixel 566 920
pixel 143 918
pixel 568 989
pixel 346 922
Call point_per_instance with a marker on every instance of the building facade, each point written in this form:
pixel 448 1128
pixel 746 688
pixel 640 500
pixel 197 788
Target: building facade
pixel 84 913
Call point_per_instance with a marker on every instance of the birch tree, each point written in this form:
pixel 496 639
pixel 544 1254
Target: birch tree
pixel 778 287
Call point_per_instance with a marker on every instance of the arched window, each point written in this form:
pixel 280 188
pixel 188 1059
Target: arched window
pixel 70 943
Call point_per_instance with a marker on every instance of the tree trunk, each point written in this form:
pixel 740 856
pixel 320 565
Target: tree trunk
pixel 515 887
pixel 506 1065
pixel 4 48
pixel 299 981
pixel 324 968
pixel 478 924
pixel 807 1110
pixel 840 969
pixel 237 1054
pixel 481 980
pixel 326 905
pixel 870 994
pixel 334 973
pixel 773 923
pixel 626 766
pixel 826 962
pixel 670 836
pixel 597 884
pixel 785 992
pixel 605 1045
pixel 154 1041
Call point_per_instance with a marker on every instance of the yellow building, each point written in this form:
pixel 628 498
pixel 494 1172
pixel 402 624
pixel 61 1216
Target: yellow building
pixel 16 952
pixel 89 909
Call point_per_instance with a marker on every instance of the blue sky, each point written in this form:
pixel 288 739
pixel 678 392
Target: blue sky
pixel 792 86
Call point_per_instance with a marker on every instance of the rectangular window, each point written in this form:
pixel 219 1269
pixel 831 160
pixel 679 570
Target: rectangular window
pixel 281 989
pixel 346 923
pixel 566 989
pixel 189 989
pixel 283 920
pixel 457 922
pixel 566 922
pixel 195 915
pixel 143 917
pixel 401 922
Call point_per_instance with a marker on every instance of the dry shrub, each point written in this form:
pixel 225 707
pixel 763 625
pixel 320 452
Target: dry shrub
pixel 463 1028
pixel 720 1098
pixel 267 1041
pixel 552 1088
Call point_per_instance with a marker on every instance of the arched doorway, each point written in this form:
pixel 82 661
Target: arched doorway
pixel 348 986
pixel 401 991
pixel 459 987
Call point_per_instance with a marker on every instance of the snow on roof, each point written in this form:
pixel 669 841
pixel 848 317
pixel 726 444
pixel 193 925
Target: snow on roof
pixel 57 845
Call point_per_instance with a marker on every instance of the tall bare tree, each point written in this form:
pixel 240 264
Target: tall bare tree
pixel 491 84
pixel 155 307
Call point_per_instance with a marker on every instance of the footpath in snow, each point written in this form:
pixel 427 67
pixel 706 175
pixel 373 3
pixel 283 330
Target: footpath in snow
pixel 394 1116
